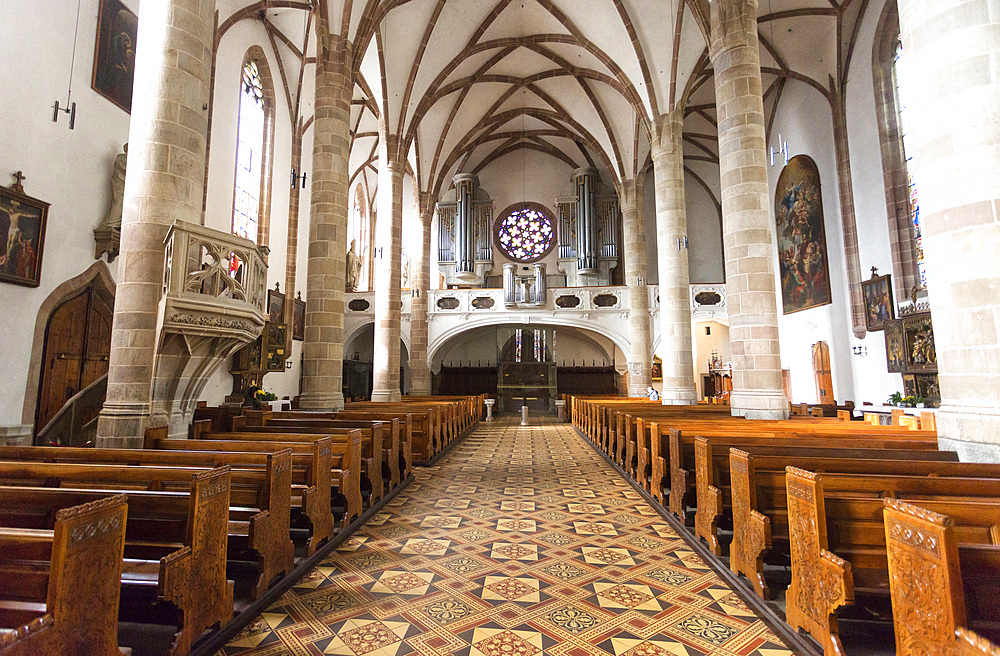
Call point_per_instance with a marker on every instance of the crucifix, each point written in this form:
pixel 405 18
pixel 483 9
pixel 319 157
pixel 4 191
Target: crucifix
pixel 17 186
pixel 874 272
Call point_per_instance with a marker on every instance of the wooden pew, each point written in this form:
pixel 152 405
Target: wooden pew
pixel 261 513
pixel 940 588
pixel 757 491
pixel 681 435
pixel 190 528
pixel 72 575
pixel 345 456
pixel 373 441
pixel 427 431
pixel 837 538
pixel 259 517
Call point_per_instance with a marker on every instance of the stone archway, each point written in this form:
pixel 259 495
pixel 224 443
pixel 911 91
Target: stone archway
pixel 99 278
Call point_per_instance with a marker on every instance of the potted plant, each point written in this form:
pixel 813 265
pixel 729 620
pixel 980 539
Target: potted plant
pixel 895 399
pixel 269 398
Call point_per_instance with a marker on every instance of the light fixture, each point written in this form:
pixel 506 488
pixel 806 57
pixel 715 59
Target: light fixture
pixel 860 350
pixel 782 149
pixel 297 178
pixel 682 242
pixel 70 107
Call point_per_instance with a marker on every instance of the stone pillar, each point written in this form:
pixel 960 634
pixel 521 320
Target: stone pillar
pixel 746 212
pixel 640 363
pixel 323 348
pixel 667 152
pixel 845 185
pixel 389 238
pixel 953 92
pixel 420 373
pixel 164 182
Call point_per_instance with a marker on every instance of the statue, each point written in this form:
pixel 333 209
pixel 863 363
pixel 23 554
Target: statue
pixel 404 265
pixel 353 272
pixel 114 217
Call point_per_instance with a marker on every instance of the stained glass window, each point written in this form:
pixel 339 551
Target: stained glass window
pixel 526 234
pixel 899 64
pixel 249 153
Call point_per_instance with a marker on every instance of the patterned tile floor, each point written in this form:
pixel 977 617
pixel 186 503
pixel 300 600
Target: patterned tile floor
pixel 521 541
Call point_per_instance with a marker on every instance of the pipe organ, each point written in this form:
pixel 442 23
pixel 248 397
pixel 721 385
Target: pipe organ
pixel 589 228
pixel 465 247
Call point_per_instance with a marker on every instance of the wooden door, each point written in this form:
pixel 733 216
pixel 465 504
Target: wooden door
pixel 77 345
pixel 821 369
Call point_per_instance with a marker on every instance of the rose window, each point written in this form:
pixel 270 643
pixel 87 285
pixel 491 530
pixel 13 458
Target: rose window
pixel 525 234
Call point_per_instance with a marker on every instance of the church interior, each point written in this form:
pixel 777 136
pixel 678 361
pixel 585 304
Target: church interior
pixel 483 327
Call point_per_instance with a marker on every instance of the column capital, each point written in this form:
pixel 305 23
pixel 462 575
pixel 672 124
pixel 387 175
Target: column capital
pixel 630 193
pixel 426 204
pixel 666 132
pixel 733 25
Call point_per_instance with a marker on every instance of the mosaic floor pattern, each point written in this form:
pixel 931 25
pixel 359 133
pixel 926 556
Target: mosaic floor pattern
pixel 521 541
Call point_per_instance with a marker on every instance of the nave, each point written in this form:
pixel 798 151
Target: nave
pixel 521 540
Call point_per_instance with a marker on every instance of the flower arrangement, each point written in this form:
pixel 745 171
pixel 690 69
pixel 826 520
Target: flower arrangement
pixel 266 397
pixel 897 399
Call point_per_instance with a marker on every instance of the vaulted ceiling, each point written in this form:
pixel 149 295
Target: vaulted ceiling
pixel 463 82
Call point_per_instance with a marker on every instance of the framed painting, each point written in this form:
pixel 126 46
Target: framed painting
pixel 22 236
pixel 801 232
pixel 657 368
pixel 894 353
pixel 114 56
pixel 299 318
pixel 275 306
pixel 879 307
pixel 918 343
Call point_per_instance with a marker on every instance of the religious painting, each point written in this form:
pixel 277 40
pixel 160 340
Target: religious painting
pixel 22 236
pixel 657 368
pixel 894 355
pixel 918 343
pixel 878 302
pixel 299 318
pixel 114 56
pixel 275 306
pixel 802 253
pixel 924 386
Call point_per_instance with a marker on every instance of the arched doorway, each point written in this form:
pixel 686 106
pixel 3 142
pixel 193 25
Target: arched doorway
pixel 821 370
pixel 77 344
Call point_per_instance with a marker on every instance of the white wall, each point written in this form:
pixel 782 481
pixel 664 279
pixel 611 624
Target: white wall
pixel 805 120
pixel 71 169
pixel 871 380
pixel 704 345
pixel 705 261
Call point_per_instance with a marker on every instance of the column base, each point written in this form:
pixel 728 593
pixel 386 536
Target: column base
pixel 16 435
pixel 678 396
pixel 121 425
pixel 386 396
pixel 420 381
pixel 972 432
pixel 332 402
pixel 759 404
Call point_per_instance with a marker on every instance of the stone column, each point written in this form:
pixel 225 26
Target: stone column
pixel 388 228
pixel 420 373
pixel 640 362
pixel 667 152
pixel 323 348
pixel 165 181
pixel 953 92
pixel 746 212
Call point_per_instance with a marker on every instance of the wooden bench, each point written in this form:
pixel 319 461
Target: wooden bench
pixel 59 588
pixel 345 457
pixel 175 548
pixel 941 588
pixel 259 516
pixel 427 431
pixel 837 538
pixel 373 441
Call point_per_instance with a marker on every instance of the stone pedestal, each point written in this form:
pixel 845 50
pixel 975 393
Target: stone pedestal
pixel 387 275
pixel 953 92
pixel 164 182
pixel 746 212
pixel 489 409
pixel 323 347
pixel 667 151
pixel 640 363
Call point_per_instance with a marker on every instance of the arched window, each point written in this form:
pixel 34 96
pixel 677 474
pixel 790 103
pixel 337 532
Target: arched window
pixel 249 153
pixel 525 233
pixel 900 74
pixel 888 68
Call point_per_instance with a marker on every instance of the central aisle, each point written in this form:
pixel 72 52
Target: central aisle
pixel 521 541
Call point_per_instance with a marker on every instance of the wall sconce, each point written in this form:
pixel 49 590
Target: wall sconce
pixel 860 350
pixel 288 364
pixel 782 150
pixel 297 178
pixel 682 242
pixel 640 281
pixel 415 293
pixel 378 252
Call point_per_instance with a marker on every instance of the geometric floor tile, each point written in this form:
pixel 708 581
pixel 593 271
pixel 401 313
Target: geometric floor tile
pixel 519 542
